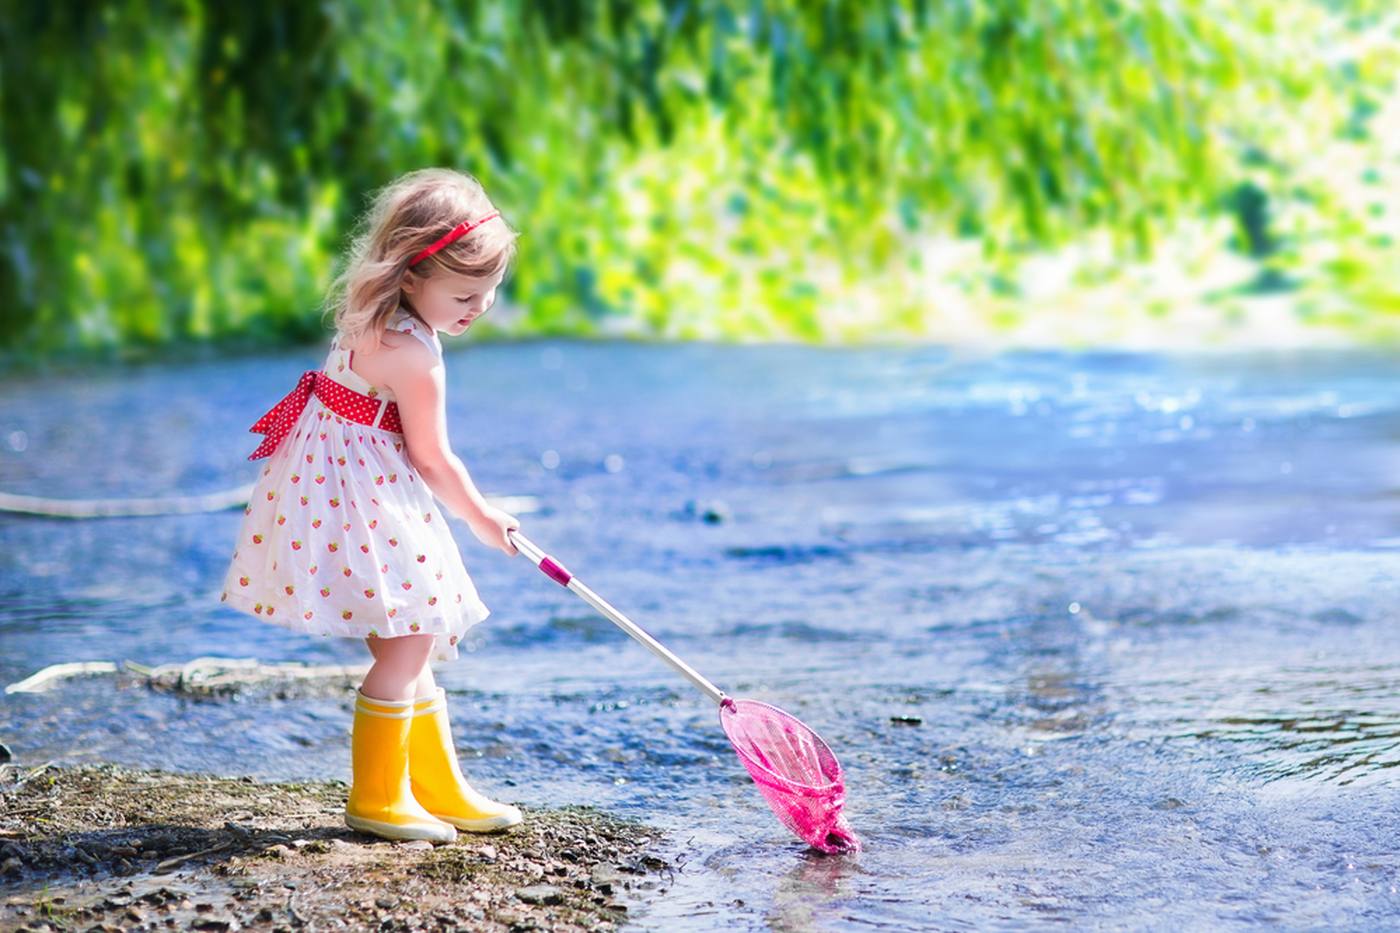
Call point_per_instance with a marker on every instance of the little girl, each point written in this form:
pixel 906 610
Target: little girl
pixel 342 536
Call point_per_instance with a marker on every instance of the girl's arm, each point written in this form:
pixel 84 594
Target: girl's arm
pixel 418 380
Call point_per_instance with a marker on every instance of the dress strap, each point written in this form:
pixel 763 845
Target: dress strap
pixel 406 322
pixel 402 321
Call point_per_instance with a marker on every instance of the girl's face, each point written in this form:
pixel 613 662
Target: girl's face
pixel 450 303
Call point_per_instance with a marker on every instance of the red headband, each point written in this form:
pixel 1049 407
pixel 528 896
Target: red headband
pixel 453 235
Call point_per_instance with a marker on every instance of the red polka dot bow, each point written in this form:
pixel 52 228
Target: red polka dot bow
pixel 360 408
pixel 278 420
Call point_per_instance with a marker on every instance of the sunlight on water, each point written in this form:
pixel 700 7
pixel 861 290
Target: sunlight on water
pixel 1099 639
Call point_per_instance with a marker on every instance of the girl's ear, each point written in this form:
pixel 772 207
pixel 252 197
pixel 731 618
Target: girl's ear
pixel 409 283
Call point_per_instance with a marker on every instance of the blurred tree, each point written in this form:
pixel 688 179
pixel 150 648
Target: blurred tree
pixel 188 171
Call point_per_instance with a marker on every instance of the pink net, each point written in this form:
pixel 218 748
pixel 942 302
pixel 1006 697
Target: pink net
pixel 794 769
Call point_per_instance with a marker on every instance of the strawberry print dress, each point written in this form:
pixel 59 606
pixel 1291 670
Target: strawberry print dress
pixel 343 537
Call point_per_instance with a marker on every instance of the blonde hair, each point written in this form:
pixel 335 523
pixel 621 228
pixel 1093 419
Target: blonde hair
pixel 405 217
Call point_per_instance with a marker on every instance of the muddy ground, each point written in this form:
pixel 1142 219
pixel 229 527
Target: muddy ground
pixel 112 848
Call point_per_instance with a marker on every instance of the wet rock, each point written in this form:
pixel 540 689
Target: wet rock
pixel 540 894
pixel 714 513
pixel 907 720
pixel 711 512
pixel 11 866
pixel 240 832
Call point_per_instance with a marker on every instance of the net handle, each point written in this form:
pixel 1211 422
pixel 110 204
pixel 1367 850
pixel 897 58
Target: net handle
pixel 559 574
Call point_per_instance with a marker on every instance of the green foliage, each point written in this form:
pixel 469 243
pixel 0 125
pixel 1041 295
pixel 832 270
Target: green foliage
pixel 716 168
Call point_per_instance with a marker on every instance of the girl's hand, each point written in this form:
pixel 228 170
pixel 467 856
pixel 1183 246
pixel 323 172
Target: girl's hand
pixel 490 529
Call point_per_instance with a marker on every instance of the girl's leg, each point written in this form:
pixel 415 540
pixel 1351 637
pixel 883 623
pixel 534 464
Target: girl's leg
pixel 436 775
pixel 399 663
pixel 381 800
pixel 425 686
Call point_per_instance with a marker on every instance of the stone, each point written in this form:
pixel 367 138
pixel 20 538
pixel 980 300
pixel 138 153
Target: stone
pixel 606 873
pixel 215 923
pixel 540 894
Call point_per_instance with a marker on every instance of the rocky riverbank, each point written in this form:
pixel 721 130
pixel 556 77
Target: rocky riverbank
pixel 111 848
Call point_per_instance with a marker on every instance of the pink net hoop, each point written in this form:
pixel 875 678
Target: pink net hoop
pixel 795 770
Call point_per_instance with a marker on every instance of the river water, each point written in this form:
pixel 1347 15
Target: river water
pixel 1102 640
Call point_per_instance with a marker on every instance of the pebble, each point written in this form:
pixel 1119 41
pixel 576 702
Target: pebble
pixel 386 902
pixel 540 894
pixel 605 873
pixel 416 845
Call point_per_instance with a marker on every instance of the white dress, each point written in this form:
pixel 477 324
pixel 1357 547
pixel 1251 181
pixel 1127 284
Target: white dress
pixel 343 537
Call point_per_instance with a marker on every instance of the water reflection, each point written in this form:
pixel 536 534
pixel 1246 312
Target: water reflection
pixel 1101 639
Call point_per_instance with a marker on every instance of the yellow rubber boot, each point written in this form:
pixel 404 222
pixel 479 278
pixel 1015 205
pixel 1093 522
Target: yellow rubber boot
pixel 436 776
pixel 381 798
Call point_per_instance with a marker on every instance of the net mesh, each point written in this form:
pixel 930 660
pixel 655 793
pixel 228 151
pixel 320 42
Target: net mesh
pixel 796 772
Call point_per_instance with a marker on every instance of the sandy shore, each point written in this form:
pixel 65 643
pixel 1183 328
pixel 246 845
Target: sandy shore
pixel 111 848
